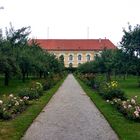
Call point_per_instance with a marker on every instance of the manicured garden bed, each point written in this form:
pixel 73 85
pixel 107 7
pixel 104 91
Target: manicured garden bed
pixel 126 129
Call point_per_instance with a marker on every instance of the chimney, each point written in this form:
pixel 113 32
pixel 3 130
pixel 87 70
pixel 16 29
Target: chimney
pixel 0 33
pixel 99 40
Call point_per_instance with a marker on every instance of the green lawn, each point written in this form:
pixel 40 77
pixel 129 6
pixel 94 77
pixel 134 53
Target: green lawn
pixel 14 129
pixel 14 86
pixel 126 129
pixel 130 86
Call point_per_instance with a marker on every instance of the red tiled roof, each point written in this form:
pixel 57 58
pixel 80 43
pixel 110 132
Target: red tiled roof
pixel 75 44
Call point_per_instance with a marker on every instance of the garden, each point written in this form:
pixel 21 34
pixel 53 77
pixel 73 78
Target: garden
pixel 29 76
pixel 112 83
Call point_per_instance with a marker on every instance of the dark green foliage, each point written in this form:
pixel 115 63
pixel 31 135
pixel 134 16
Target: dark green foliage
pixel 122 61
pixel 89 67
pixel 113 93
pixel 51 81
pixel 34 91
pixel 47 85
pixel 21 57
pixel 71 69
pixel 31 93
pixel 130 44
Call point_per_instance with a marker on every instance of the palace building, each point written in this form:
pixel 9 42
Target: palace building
pixel 75 51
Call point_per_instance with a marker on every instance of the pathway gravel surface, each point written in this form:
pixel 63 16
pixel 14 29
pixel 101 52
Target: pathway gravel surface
pixel 70 115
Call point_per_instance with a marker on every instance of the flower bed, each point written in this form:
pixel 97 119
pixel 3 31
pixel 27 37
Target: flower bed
pixel 12 105
pixel 111 92
pixel 34 91
pixel 130 108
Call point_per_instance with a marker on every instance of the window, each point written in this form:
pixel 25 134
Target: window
pixel 79 64
pixel 70 65
pixel 88 57
pixel 61 57
pixel 79 57
pixel 70 57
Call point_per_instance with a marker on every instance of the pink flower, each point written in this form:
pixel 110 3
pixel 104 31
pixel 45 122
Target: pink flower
pixel 136 96
pixel 124 103
pixel 17 103
pixel 25 98
pixel 133 101
pixel 137 108
pixel 124 106
pixel 129 106
pixel 136 113
pixel 11 95
pixel 107 101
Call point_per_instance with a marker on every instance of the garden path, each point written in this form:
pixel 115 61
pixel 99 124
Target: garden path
pixel 70 115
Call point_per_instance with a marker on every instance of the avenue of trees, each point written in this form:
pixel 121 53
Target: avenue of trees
pixel 121 61
pixel 20 58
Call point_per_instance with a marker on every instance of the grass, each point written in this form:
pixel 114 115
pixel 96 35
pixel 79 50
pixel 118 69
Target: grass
pixel 130 86
pixel 14 86
pixel 126 129
pixel 15 129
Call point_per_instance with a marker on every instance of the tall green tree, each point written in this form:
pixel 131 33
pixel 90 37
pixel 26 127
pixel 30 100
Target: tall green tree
pixel 130 44
pixel 8 65
pixel 105 62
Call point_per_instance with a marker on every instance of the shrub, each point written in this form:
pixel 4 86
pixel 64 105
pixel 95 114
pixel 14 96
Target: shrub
pixel 38 87
pixel 11 106
pixel 47 84
pixel 51 81
pixel 111 90
pixel 130 108
pixel 113 93
pixel 33 92
pixel 88 79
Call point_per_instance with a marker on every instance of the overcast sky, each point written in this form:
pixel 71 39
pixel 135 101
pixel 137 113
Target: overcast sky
pixel 70 19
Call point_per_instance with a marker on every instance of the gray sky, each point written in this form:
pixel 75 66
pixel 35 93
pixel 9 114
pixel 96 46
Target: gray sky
pixel 71 18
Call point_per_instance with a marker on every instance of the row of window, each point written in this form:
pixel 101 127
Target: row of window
pixel 71 57
pixel 71 64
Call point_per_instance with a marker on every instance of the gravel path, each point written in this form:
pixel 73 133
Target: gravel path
pixel 70 115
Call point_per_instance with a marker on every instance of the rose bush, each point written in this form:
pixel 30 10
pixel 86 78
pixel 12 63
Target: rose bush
pixel 88 78
pixel 130 107
pixel 12 105
pixel 34 91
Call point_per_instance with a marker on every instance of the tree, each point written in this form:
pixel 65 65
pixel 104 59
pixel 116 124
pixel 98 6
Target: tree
pixel 19 55
pixel 8 65
pixel 130 44
pixel 104 62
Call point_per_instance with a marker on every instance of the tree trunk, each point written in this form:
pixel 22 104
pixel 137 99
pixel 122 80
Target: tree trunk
pixel 40 74
pixel 115 75
pixel 44 75
pixel 108 76
pixel 27 75
pixel 6 80
pixel 23 76
pixel 124 77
